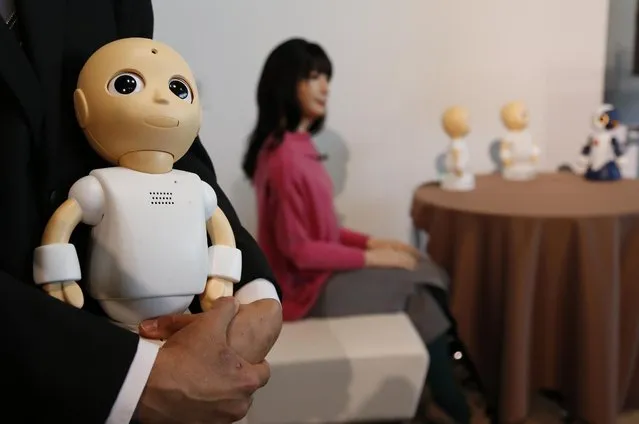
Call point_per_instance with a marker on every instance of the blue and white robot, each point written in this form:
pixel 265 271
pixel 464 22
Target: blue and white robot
pixel 603 153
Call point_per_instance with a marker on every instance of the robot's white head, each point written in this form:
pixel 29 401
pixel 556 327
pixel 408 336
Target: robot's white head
pixel 605 117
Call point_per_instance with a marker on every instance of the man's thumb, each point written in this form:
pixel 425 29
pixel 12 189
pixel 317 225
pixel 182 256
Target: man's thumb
pixel 222 312
pixel 165 326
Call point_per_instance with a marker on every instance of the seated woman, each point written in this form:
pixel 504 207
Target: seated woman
pixel 326 270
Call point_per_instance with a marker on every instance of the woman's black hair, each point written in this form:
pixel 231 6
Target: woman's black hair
pixel 278 106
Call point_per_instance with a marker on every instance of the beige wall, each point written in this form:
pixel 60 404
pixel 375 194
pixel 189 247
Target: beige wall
pixel 398 64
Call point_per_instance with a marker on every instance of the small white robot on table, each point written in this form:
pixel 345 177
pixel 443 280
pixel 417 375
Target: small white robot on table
pixel 458 176
pixel 518 152
pixel 603 154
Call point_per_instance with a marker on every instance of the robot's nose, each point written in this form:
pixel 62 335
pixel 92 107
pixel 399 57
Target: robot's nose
pixel 159 97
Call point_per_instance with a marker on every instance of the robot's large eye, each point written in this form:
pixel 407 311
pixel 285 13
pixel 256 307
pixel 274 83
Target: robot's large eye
pixel 125 83
pixel 181 89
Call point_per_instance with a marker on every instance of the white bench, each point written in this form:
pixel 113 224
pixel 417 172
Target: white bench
pixel 343 370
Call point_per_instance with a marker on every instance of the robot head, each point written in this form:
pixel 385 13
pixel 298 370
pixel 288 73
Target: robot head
pixel 136 95
pixel 605 118
pixel 455 122
pixel 515 116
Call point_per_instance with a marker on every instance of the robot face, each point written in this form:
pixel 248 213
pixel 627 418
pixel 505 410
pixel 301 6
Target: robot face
pixel 515 115
pixel 606 117
pixel 455 121
pixel 137 94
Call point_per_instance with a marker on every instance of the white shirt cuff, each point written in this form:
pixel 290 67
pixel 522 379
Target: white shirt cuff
pixel 133 386
pixel 257 289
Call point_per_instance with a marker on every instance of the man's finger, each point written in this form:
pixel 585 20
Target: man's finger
pixel 165 326
pixel 263 370
pixel 222 312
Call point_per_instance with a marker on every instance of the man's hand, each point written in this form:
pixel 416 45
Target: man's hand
pixel 251 334
pixel 255 329
pixel 197 377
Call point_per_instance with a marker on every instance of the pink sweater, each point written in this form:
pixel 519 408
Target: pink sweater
pixel 298 229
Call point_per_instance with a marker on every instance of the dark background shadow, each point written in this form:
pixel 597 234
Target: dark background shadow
pixel 440 163
pixel 334 150
pixel 332 146
pixel 493 152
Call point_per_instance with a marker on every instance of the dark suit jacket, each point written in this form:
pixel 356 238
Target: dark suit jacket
pixel 57 363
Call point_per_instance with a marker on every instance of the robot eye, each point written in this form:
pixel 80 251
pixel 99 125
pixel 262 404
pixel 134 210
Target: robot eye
pixel 181 89
pixel 125 83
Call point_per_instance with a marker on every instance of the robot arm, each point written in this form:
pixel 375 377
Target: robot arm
pixel 55 263
pixel 505 153
pixel 536 151
pixel 585 151
pixel 616 147
pixel 618 151
pixel 582 162
pixel 225 259
pixel 454 154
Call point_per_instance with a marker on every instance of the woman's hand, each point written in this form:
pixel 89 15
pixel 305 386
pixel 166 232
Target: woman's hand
pixel 387 258
pixel 376 244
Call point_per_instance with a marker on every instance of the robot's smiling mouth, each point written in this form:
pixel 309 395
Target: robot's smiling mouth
pixel 162 121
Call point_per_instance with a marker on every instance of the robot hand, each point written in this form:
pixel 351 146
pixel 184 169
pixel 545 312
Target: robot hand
pixel 534 158
pixel 621 160
pixel 215 288
pixel 68 292
pixel 582 164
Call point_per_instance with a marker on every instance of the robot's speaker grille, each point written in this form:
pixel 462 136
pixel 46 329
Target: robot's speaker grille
pixel 161 198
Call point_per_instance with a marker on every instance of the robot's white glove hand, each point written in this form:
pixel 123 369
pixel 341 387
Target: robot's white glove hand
pixel 582 163
pixel 56 268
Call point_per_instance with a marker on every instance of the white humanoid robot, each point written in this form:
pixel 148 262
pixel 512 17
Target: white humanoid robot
pixel 518 152
pixel 137 103
pixel 458 176
pixel 602 155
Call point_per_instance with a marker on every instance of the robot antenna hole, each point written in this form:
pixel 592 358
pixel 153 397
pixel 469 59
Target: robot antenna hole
pixel 154 51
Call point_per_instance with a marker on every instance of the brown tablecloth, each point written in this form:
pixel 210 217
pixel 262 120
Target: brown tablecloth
pixel 545 286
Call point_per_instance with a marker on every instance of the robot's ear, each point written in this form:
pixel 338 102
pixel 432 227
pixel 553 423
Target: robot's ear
pixel 81 108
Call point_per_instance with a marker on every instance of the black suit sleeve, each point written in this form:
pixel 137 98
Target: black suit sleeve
pixel 254 263
pixel 60 364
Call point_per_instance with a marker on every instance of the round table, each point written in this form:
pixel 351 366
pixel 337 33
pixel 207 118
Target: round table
pixel 545 286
